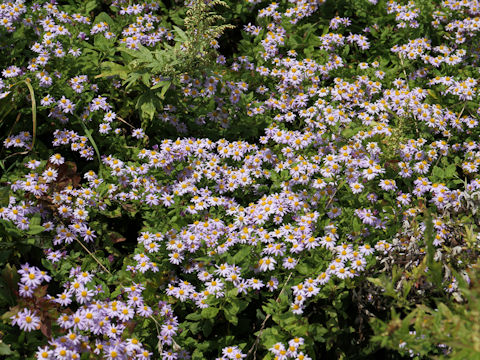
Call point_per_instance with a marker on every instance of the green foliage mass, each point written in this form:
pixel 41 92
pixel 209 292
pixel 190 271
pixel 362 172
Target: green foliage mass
pixel 312 193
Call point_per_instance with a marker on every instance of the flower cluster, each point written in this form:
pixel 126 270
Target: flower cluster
pixel 292 351
pixel 31 279
pixel 351 154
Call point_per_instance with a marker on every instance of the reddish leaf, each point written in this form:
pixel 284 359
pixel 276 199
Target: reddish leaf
pixel 116 237
pixel 41 291
pixel 46 327
pixel 67 175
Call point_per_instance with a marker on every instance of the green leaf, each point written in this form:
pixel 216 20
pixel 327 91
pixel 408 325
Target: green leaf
pixel 303 269
pixel 450 170
pixel 102 44
pixel 147 104
pixel 209 313
pixel 4 196
pixel 348 133
pixel 35 229
pixel 433 94
pixel 90 5
pixel 165 87
pixel 230 315
pixel 197 355
pixel 318 331
pixel 194 316
pixel 88 133
pixel 110 68
pixel 5 349
pixel 160 84
pixel 375 281
pixel 146 79
pixel 183 37
pixel 116 293
pixel 35 220
pixel 270 336
pixel 438 173
pixel 241 254
pixel 357 225
pixel 207 327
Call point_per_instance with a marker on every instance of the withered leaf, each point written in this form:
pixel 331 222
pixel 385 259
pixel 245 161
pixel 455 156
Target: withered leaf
pixel 67 176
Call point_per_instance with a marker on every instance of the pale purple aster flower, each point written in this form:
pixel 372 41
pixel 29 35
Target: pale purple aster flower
pixel 27 320
pixel 50 175
pixel 138 133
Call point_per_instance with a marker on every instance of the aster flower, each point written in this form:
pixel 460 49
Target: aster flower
pixel 214 285
pixel 50 175
pixel 33 164
pixel 32 278
pixel 26 320
pixel 388 185
pixel 256 284
pixel 64 298
pixel 11 71
pixel 356 187
pixel 44 353
pixel 266 264
pixel 144 311
pixel 57 159
pixel 138 133
pixel 243 286
pixel 366 249
pixel 25 291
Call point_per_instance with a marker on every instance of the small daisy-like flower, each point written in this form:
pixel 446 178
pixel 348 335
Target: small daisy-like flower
pixel 57 159
pixel 32 278
pixel 356 187
pixel 26 320
pixel 138 133
pixel 366 250
pixel 50 175
pixel 33 164
pixel 43 353
pixel 104 128
pixel 64 298
pixel 256 284
pixel 25 290
pixel 109 116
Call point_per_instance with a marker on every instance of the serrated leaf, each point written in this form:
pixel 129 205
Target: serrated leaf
pixel 102 43
pixel 110 68
pixel 230 313
pixel 197 355
pixel 164 89
pixel 181 34
pixel 376 281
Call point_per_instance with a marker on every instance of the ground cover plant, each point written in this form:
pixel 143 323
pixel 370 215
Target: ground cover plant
pixel 239 180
